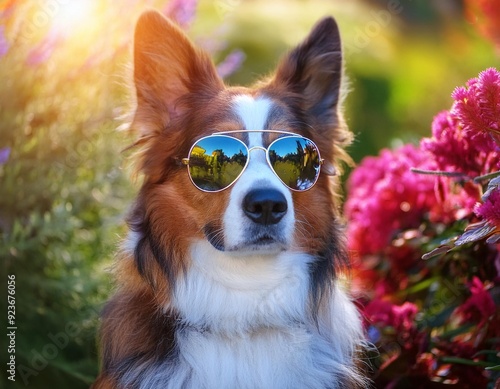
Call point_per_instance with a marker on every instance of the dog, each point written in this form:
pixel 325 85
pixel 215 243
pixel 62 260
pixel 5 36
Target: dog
pixel 231 274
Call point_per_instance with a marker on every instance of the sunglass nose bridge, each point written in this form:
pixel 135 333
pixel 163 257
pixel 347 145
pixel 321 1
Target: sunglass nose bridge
pixel 261 157
pixel 257 148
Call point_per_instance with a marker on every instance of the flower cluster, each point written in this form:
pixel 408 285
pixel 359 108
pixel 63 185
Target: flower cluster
pixel 479 306
pixel 457 150
pixel 387 180
pixel 424 227
pixel 477 107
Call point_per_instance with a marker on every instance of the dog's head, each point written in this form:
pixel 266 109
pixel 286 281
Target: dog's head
pixel 181 100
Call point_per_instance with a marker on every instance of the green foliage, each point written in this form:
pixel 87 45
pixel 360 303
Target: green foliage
pixel 61 210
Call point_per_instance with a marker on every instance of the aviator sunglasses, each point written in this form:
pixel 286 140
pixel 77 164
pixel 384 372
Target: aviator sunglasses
pixel 216 161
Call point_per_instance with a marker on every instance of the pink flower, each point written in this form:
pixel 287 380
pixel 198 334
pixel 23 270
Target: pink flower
pixel 477 107
pixel 231 63
pixel 457 150
pixel 44 50
pixel 399 317
pixel 454 200
pixel 384 197
pixel 404 316
pixel 479 306
pixel 379 312
pixel 4 155
pixel 490 209
pixel 182 11
pixel 4 43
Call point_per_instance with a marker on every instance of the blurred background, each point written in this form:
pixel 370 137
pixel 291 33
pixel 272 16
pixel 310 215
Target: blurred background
pixel 64 83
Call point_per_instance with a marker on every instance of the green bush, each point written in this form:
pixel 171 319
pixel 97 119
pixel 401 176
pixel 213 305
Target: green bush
pixel 62 205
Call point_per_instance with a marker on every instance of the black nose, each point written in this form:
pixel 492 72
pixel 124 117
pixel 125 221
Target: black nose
pixel 265 206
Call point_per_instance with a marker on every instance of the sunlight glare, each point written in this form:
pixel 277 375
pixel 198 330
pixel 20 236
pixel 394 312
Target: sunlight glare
pixel 72 15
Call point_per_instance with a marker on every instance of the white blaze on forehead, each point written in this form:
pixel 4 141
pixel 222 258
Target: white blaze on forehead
pixel 253 113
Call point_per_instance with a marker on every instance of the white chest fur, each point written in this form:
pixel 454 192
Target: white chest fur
pixel 272 358
pixel 248 327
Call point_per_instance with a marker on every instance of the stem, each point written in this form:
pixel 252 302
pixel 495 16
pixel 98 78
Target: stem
pixel 438 173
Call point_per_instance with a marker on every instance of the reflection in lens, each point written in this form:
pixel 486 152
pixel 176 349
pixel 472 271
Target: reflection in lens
pixel 296 161
pixel 216 162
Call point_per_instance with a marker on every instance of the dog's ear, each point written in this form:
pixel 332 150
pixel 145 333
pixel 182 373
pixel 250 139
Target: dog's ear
pixel 167 66
pixel 313 70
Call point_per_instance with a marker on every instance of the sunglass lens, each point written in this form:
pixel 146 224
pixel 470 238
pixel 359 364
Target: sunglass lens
pixel 215 162
pixel 296 161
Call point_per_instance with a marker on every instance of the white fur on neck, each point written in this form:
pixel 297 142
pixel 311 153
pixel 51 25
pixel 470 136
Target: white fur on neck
pixel 234 294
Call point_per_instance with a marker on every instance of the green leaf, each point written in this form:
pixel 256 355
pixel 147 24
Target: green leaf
pixel 440 319
pixel 457 331
pixel 422 285
pixel 469 362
